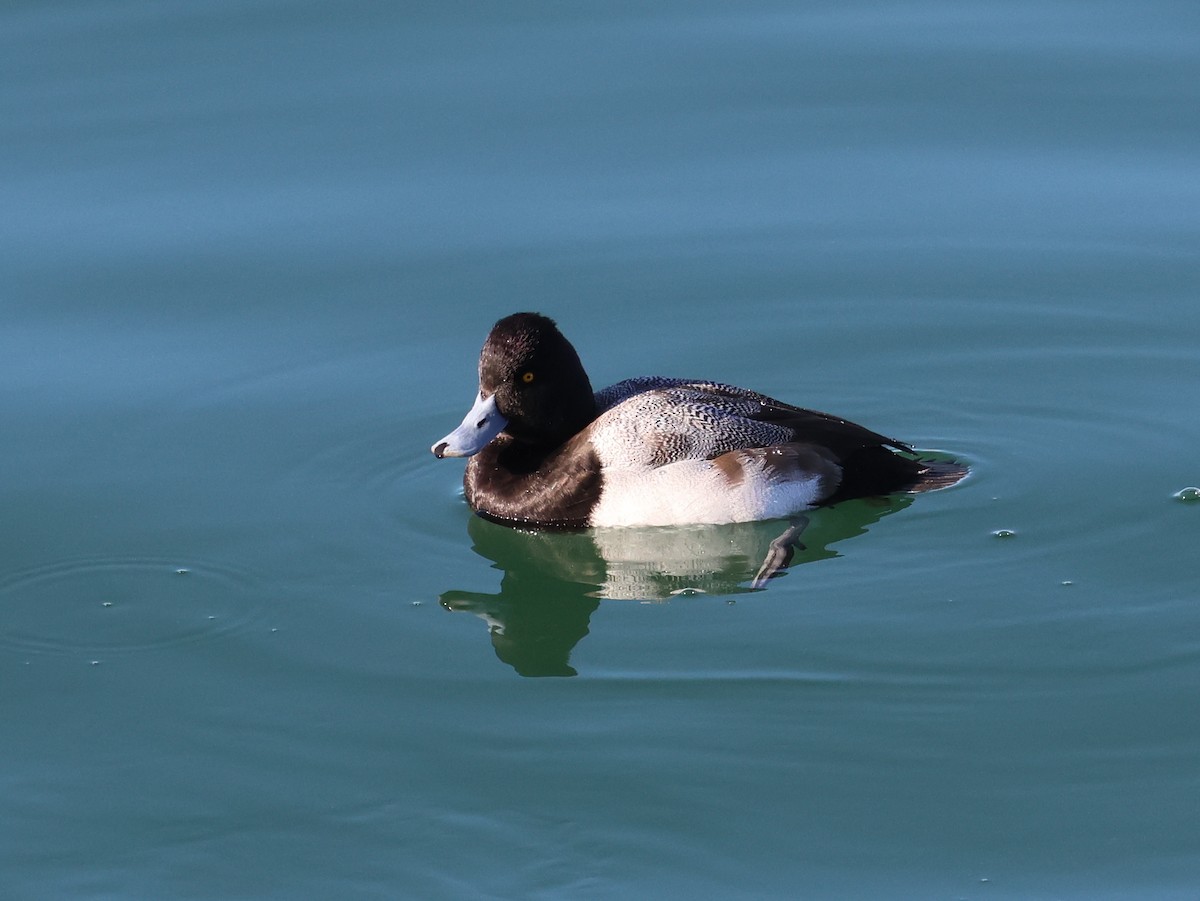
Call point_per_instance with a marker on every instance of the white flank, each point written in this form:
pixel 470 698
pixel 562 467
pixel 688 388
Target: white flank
pixel 695 491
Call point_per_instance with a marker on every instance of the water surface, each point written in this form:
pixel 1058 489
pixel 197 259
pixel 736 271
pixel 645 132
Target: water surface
pixel 254 645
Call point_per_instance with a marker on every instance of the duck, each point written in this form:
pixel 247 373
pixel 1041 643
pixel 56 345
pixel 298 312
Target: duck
pixel 546 451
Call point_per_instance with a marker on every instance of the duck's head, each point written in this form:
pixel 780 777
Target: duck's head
pixel 532 388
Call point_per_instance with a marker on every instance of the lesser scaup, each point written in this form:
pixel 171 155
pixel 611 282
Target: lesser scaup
pixel 548 452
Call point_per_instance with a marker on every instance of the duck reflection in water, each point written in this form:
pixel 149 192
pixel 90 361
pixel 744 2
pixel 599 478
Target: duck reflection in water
pixel 554 581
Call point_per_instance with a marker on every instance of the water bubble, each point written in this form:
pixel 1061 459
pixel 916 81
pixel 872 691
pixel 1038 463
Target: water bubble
pixel 182 572
pixel 1004 533
pixel 107 604
pixel 1188 495
pixel 687 592
pixel 416 603
pixel 1068 582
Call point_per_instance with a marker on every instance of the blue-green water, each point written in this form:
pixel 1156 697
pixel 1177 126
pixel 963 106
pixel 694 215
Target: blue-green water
pixel 254 645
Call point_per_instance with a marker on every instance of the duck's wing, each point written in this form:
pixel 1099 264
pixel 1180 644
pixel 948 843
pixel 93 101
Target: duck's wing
pixel 682 421
pixel 653 422
pixel 659 421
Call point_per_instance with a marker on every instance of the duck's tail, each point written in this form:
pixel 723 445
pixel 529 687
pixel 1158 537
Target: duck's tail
pixel 935 474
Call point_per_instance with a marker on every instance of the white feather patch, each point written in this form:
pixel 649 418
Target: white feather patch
pixel 696 491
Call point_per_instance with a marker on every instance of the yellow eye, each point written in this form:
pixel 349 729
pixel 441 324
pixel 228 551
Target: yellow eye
pixel 527 378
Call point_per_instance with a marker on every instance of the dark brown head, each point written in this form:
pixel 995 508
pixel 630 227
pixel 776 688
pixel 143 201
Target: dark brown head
pixel 531 385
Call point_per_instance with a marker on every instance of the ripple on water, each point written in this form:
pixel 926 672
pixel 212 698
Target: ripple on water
pixel 120 605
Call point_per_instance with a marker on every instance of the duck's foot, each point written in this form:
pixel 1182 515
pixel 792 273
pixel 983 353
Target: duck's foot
pixel 781 552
